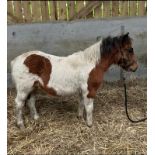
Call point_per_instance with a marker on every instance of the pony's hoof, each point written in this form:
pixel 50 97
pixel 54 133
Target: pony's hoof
pixel 79 117
pixel 36 117
pixel 89 125
pixel 21 126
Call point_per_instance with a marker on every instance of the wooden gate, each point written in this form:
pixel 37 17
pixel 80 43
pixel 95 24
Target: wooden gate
pixel 43 11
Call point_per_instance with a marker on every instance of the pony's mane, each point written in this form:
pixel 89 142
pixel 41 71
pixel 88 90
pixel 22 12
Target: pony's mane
pixel 108 44
pixel 113 43
pixel 104 47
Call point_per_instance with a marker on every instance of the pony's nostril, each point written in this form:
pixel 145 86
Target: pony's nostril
pixel 134 69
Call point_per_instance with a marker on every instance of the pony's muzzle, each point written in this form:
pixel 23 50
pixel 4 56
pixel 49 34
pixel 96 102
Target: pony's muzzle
pixel 133 67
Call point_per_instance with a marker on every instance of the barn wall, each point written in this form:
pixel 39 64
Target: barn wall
pixel 64 38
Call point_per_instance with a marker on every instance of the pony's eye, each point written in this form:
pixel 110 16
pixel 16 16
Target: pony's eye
pixel 130 50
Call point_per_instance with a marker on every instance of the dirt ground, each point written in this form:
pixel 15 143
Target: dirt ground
pixel 59 131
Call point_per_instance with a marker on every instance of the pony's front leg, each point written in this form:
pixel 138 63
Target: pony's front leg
pixel 88 103
pixel 81 106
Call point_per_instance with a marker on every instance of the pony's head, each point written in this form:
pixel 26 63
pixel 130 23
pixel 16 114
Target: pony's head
pixel 121 51
pixel 127 59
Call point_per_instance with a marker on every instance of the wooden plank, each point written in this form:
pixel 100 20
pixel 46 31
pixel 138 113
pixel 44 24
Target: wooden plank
pixel 132 8
pixel 141 8
pixel 106 9
pixel 18 10
pixel 44 10
pixel 9 7
pixel 53 8
pixel 98 12
pixel 72 10
pixel 11 18
pixel 62 10
pixel 86 10
pixel 115 8
pixel 36 12
pixel 90 15
pixel 124 8
pixel 79 6
pixel 27 11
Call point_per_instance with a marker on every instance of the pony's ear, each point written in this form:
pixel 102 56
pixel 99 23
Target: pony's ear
pixel 126 35
pixel 125 38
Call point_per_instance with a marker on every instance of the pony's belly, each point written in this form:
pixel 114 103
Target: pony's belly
pixel 64 90
pixel 64 79
pixel 64 85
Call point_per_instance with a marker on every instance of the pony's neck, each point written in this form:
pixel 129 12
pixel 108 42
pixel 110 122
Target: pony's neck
pixel 92 53
pixel 106 61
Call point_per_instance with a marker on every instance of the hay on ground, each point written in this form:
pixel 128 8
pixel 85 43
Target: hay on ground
pixel 58 131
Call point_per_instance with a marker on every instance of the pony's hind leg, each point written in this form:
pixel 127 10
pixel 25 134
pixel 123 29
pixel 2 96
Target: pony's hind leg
pixel 20 101
pixel 31 104
pixel 23 91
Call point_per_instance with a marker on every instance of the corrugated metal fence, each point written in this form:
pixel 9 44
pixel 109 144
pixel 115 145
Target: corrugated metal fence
pixel 42 11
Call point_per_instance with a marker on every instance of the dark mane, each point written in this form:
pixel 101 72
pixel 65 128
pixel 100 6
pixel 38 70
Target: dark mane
pixel 113 43
pixel 108 44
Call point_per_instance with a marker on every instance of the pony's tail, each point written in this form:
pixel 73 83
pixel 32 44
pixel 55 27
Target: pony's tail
pixel 12 77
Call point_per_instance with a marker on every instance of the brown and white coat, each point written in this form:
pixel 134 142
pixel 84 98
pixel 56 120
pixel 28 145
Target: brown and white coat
pixel 80 72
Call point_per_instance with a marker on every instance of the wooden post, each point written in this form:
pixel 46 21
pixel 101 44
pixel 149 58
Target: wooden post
pixel 115 8
pixel 27 11
pixel 10 7
pixel 10 12
pixel 132 8
pixel 18 10
pixel 98 12
pixel 106 9
pixel 36 12
pixel 62 10
pixel 71 8
pixel 44 10
pixel 141 8
pixel 53 8
pixel 124 8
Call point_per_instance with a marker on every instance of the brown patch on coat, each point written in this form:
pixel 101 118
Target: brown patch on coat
pixel 96 77
pixel 94 81
pixel 116 50
pixel 108 48
pixel 42 67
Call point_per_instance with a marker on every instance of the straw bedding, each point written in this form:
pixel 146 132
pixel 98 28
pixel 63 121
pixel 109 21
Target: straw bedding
pixel 59 131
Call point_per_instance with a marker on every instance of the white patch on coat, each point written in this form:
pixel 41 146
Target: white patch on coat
pixel 69 75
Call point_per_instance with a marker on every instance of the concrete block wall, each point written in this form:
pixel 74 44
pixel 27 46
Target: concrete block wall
pixel 64 38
